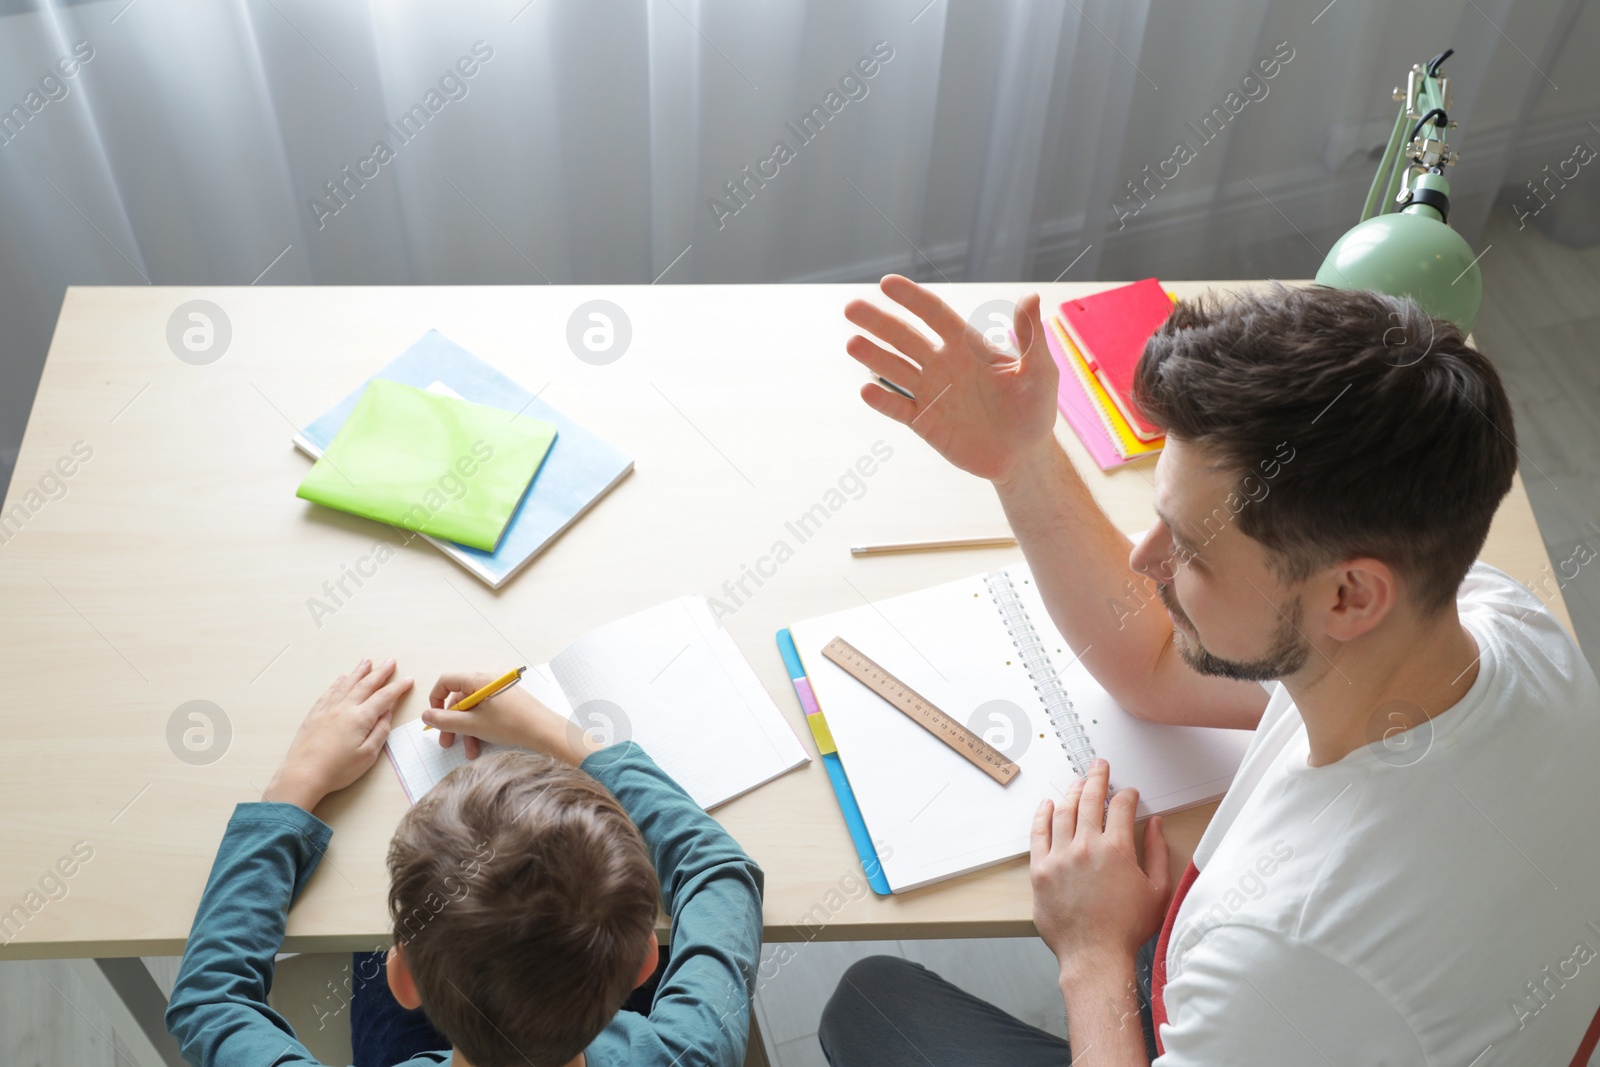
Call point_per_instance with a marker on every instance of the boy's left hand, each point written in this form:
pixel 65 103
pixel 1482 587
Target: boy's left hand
pixel 340 737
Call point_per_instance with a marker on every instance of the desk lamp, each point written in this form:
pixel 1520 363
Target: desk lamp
pixel 1403 244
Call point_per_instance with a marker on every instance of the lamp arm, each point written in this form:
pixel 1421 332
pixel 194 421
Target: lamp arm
pixel 1382 189
pixel 1435 116
pixel 1424 100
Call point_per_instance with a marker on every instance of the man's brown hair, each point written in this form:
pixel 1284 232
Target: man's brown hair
pixel 1400 435
pixel 525 899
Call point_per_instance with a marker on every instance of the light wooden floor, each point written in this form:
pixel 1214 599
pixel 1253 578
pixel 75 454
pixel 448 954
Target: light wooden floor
pixel 1540 321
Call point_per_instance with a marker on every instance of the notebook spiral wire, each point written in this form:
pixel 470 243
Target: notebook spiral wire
pixel 1041 671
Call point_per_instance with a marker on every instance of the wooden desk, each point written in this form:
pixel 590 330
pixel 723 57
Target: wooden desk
pixel 178 566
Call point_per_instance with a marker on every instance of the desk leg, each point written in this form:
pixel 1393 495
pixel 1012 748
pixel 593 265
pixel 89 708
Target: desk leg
pixel 755 1053
pixel 133 1002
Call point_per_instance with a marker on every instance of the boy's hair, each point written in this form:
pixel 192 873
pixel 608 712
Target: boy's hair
pixel 1399 435
pixel 525 899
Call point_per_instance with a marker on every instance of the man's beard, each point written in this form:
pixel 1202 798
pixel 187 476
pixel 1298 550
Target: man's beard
pixel 1287 654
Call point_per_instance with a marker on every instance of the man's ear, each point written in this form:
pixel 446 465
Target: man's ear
pixel 652 959
pixel 1367 591
pixel 401 984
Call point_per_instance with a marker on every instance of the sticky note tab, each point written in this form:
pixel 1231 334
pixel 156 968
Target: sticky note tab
pixel 820 731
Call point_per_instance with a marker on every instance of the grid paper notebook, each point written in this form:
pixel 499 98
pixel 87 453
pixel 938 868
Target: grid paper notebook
pixel 940 815
pixel 668 678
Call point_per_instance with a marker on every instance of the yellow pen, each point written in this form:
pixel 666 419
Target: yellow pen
pixel 499 685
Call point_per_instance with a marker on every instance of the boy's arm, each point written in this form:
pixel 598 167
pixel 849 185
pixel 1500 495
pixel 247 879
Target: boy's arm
pixel 219 1011
pixel 712 891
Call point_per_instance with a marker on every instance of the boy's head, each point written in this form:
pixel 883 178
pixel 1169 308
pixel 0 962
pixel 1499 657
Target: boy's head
pixel 524 906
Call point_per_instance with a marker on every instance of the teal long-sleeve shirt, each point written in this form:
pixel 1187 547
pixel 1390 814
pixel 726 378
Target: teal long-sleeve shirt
pixel 701 1011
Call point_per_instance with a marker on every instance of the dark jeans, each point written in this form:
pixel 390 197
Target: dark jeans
pixel 890 1012
pixel 382 1033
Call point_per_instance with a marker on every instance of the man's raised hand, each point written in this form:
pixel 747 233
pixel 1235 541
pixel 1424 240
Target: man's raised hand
pixel 983 409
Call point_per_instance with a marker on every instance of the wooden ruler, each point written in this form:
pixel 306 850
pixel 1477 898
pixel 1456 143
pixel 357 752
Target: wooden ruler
pixel 922 711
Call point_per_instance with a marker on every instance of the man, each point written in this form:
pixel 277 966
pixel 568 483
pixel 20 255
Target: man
pixel 1406 867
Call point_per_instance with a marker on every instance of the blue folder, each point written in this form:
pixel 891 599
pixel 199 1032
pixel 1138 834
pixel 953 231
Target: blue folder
pixel 579 470
pixel 870 866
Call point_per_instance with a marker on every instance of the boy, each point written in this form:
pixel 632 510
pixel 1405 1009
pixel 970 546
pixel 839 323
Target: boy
pixel 522 896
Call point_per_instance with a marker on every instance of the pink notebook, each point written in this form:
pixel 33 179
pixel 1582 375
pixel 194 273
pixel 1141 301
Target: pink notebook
pixel 1113 326
pixel 1079 411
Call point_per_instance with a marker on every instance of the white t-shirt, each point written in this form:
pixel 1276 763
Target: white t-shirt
pixel 1435 900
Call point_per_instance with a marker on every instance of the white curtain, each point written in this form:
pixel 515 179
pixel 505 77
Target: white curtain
pixel 630 141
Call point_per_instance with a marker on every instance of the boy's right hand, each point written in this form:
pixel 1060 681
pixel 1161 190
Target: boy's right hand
pixel 984 410
pixel 511 717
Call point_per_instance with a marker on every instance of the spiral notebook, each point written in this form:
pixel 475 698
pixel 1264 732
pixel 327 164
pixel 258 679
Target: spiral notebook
pixel 669 678
pixel 985 651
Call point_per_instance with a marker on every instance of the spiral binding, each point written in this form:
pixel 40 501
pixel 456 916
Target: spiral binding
pixel 1041 671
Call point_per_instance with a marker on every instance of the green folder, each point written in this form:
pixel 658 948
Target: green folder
pixel 430 463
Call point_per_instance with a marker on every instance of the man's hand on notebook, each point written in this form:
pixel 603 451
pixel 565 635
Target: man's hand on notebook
pixel 983 409
pixel 341 736
pixel 513 716
pixel 1093 903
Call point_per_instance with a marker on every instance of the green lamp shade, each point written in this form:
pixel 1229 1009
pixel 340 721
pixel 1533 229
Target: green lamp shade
pixel 1415 255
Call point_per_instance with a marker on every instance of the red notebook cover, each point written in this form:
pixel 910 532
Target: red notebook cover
pixel 1114 326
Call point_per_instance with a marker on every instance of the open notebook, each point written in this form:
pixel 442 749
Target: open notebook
pixel 668 678
pixel 962 645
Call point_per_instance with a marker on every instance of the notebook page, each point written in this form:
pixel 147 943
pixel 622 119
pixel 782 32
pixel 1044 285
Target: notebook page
pixel 422 763
pixel 1173 767
pixel 672 680
pixel 934 813
pixel 938 814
